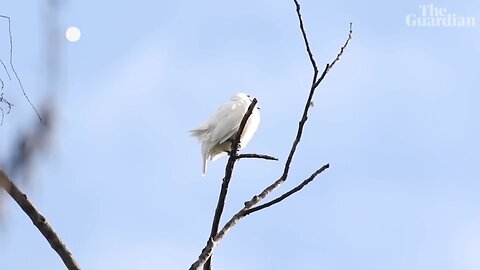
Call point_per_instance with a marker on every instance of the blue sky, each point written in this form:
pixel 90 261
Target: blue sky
pixel 397 119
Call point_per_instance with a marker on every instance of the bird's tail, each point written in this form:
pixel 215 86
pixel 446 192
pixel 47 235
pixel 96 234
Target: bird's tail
pixel 205 158
pixel 201 133
pixel 198 133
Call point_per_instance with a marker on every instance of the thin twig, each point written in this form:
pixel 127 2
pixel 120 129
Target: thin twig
pixel 9 105
pixel 305 39
pixel 3 116
pixel 3 100
pixel 286 194
pixel 228 175
pixel 259 156
pixel 340 53
pixel 39 221
pixel 6 70
pixel 15 72
pixel 342 49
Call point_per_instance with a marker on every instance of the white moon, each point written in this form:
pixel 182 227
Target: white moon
pixel 73 34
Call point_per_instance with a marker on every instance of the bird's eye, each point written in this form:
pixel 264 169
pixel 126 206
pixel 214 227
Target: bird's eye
pixel 248 96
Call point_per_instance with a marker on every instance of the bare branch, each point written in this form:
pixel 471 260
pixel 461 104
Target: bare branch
pixel 329 66
pixel 39 221
pixel 3 100
pixel 286 194
pixel 3 116
pixel 304 118
pixel 342 49
pixel 9 105
pixel 305 39
pixel 15 72
pixel 213 241
pixel 6 70
pixel 259 156
pixel 246 210
pixel 228 175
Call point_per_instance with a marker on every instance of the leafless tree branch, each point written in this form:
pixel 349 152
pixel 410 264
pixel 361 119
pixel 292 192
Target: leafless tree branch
pixel 342 49
pixel 259 156
pixel 228 173
pixel 3 100
pixel 39 221
pixel 213 242
pixel 13 68
pixel 286 194
pixel 305 39
pixel 6 70
pixel 204 258
pixel 9 105
pixel 3 116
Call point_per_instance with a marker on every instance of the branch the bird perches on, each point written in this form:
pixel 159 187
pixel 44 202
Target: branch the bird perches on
pixel 249 206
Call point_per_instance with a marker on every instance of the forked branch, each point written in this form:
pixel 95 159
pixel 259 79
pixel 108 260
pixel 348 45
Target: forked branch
pixel 249 207
pixel 286 194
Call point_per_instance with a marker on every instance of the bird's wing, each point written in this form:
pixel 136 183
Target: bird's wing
pixel 225 122
pixel 250 128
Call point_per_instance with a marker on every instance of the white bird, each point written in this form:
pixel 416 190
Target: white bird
pixel 217 134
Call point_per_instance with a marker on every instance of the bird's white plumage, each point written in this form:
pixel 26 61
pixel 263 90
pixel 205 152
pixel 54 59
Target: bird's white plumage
pixel 216 135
